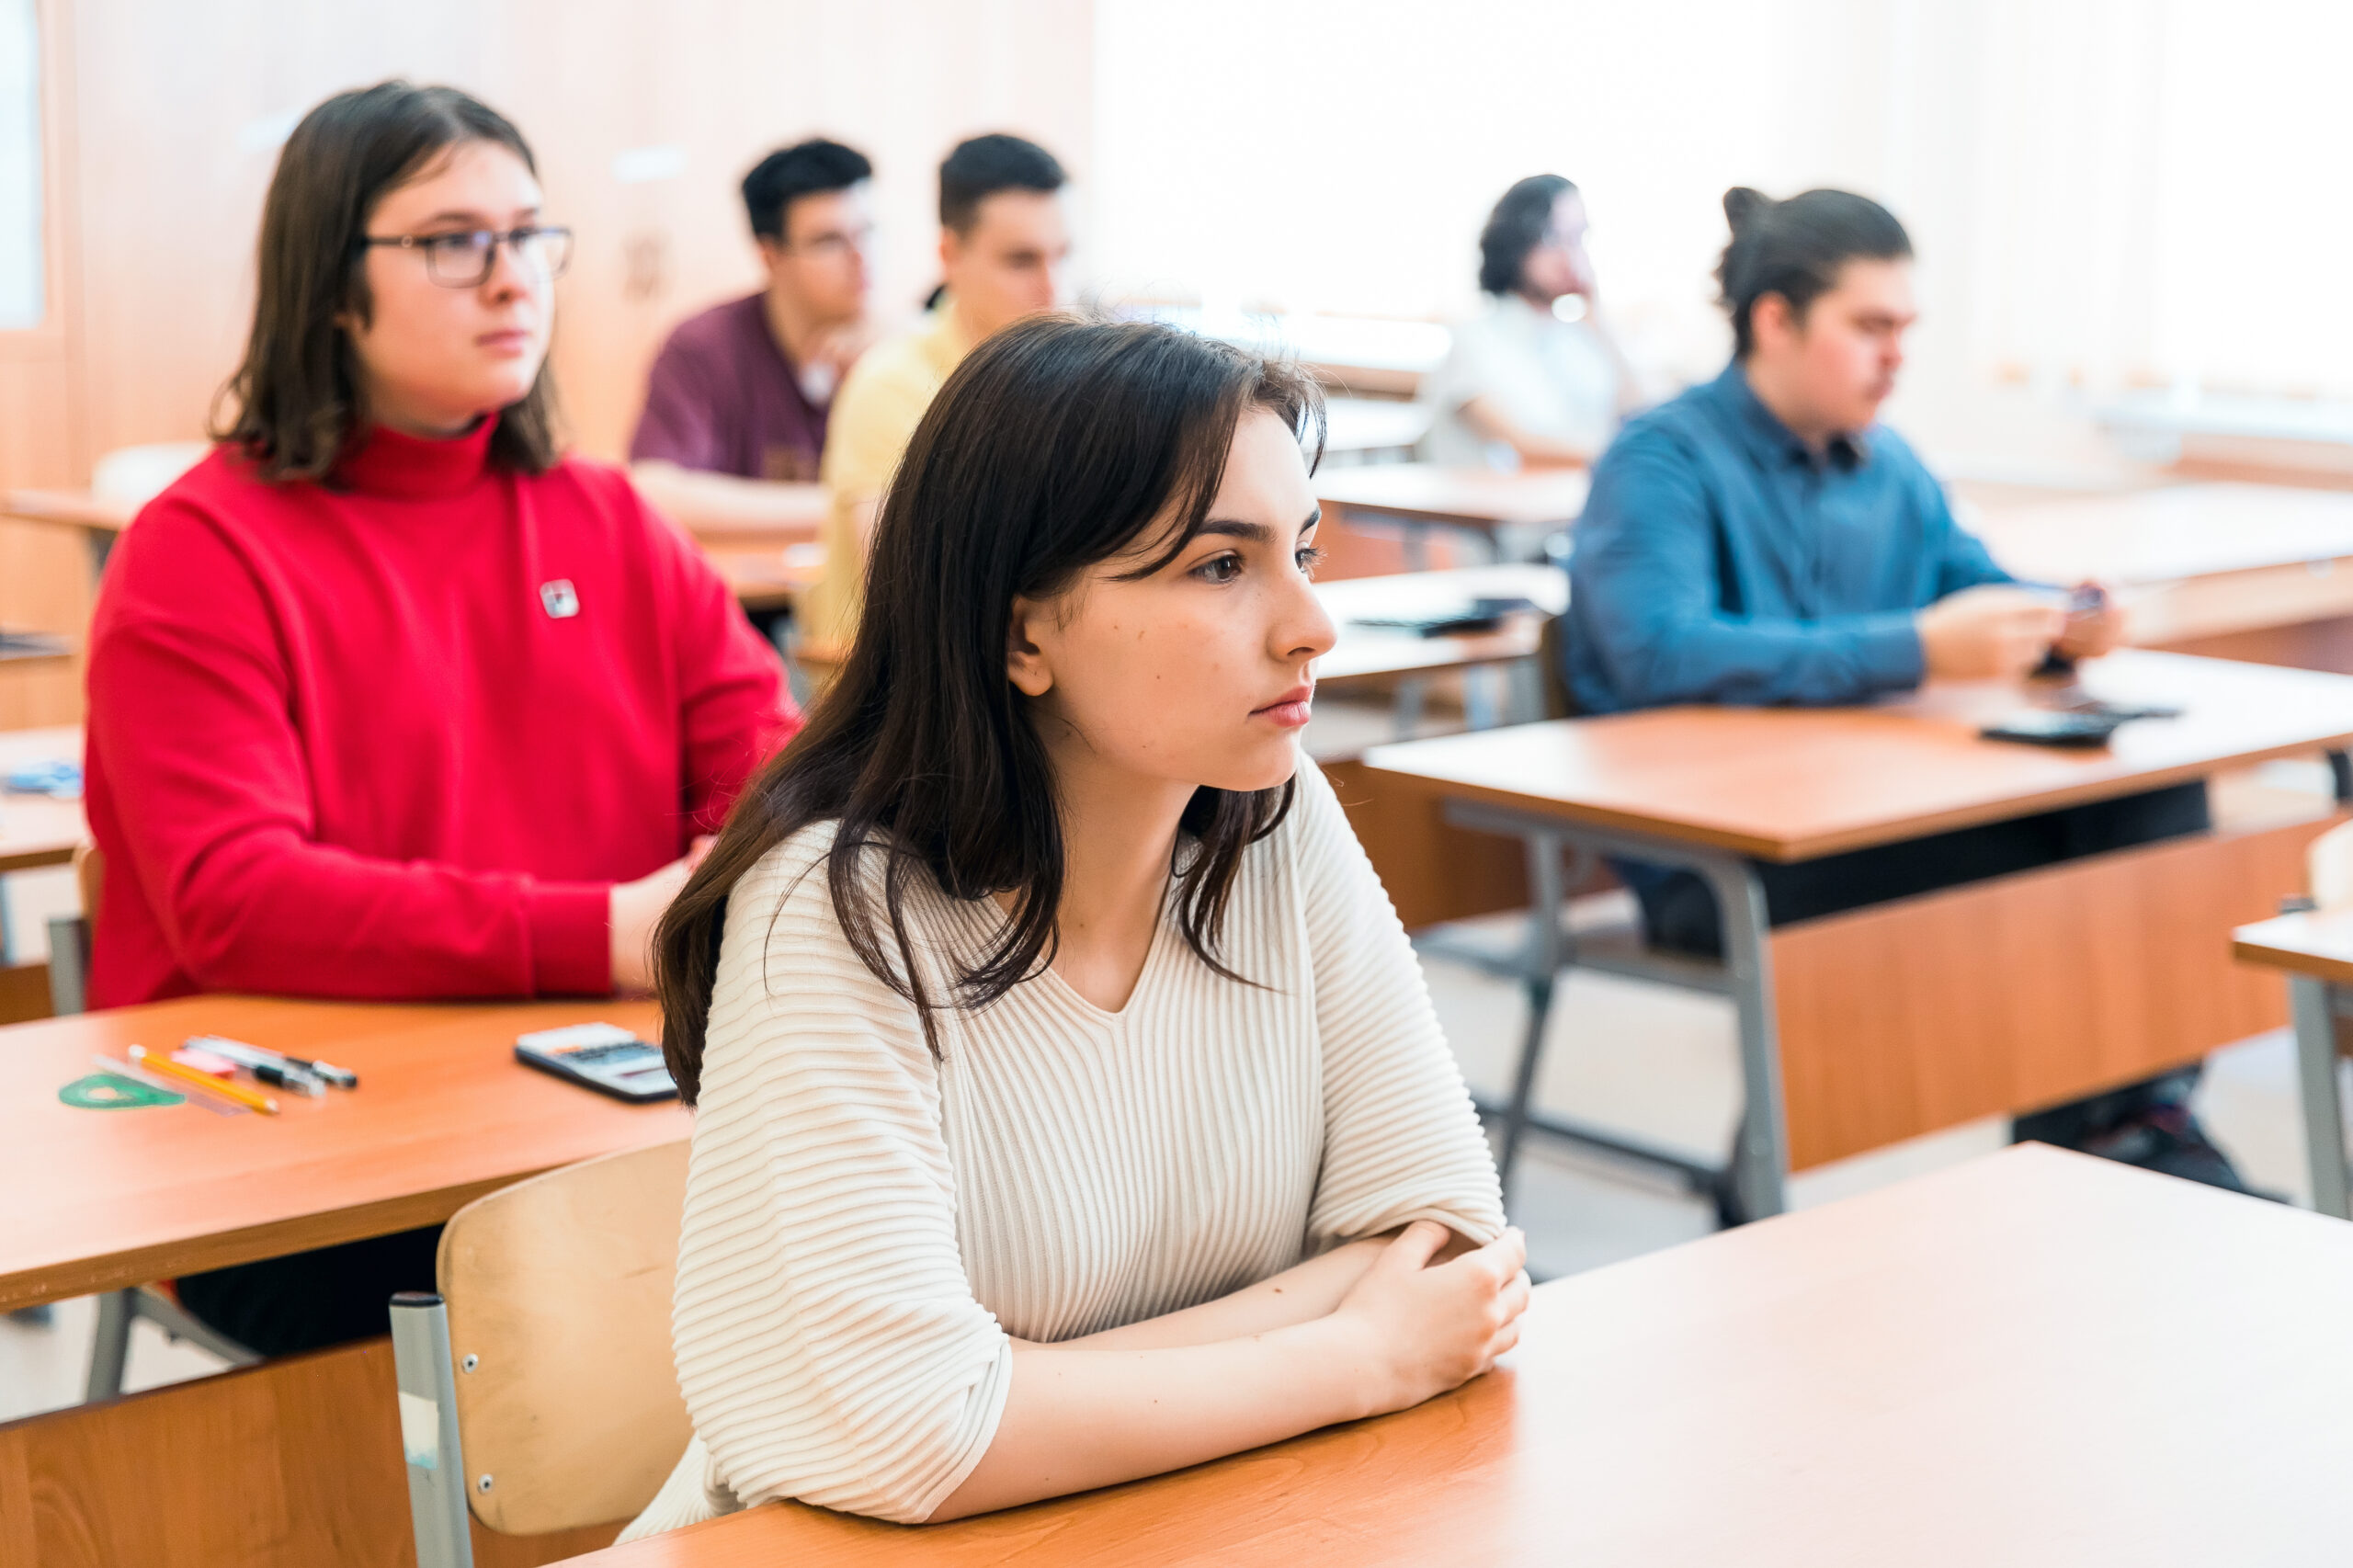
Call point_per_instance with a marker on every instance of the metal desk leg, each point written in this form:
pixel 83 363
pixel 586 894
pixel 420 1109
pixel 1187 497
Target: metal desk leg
pixel 1545 894
pixel 1762 1161
pixel 2316 1070
pixel 1417 542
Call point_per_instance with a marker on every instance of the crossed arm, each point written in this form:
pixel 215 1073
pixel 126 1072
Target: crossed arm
pixel 1371 1326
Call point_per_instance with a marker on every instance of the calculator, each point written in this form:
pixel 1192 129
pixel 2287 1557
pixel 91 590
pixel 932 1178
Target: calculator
pixel 603 1057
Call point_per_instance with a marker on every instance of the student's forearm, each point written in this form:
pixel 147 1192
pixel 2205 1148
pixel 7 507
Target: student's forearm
pixel 1299 1295
pixel 1075 1419
pixel 1541 451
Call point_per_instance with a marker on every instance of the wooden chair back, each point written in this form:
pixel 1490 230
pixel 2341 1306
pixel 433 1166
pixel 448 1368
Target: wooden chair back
pixel 1553 666
pixel 2329 865
pixel 89 875
pixel 559 1299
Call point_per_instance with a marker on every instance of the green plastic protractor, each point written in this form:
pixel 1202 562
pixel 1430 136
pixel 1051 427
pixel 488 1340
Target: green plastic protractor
pixel 104 1091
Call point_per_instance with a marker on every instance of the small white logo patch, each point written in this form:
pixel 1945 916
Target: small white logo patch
pixel 561 601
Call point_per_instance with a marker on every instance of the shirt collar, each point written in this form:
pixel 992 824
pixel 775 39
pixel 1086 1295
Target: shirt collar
pixel 415 468
pixel 1772 443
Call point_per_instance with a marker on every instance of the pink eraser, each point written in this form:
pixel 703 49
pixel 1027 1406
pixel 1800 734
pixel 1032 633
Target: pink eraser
pixel 205 1061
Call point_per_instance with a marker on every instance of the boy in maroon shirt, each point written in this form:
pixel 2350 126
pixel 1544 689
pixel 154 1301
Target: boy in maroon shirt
pixel 735 405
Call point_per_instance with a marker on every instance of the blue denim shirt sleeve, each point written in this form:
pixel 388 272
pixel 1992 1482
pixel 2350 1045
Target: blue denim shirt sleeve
pixel 1962 559
pixel 1645 613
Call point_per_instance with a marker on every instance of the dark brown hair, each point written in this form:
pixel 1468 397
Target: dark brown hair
pixel 296 399
pixel 1521 219
pixel 1058 445
pixel 1794 248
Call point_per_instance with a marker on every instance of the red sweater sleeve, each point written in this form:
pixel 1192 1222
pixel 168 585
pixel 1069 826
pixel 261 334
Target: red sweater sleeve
pixel 737 712
pixel 190 718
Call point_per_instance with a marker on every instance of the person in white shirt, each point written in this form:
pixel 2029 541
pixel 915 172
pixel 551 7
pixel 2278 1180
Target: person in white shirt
pixel 1070 1107
pixel 1537 381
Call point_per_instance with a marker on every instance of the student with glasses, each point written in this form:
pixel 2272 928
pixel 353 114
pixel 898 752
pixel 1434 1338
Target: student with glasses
pixel 389 699
pixel 736 404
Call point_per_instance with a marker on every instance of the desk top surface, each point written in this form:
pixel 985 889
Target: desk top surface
pixel 1363 651
pixel 73 509
pixel 34 829
pixel 2169 535
pixel 2034 1357
pixel 1791 784
pixel 1466 497
pixel 2318 942
pixel 104 1198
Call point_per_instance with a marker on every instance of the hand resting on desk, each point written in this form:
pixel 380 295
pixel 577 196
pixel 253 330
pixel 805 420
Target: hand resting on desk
pixel 1998 631
pixel 1367 1328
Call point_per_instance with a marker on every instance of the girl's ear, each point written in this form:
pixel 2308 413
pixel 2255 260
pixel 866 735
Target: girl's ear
pixel 1024 660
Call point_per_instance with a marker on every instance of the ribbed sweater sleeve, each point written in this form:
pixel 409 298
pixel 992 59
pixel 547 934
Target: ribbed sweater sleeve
pixel 1401 1139
pixel 828 1343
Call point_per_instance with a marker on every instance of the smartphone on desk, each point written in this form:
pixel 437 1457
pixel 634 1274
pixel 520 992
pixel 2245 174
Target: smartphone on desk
pixel 2047 727
pixel 603 1057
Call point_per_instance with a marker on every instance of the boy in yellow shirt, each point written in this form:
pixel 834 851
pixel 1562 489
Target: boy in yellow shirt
pixel 1004 242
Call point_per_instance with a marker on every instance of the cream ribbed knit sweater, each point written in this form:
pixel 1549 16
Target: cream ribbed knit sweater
pixel 866 1226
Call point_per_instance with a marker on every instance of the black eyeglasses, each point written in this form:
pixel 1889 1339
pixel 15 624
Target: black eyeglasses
pixel 464 259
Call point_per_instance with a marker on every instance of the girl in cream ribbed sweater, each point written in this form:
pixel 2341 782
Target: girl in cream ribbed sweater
pixel 1070 1107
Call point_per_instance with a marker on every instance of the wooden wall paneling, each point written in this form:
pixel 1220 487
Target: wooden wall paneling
pixel 294 1463
pixel 180 107
pixel 44 575
pixel 2024 991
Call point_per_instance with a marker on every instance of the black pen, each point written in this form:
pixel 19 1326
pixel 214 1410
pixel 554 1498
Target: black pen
pixel 258 1056
pixel 287 1077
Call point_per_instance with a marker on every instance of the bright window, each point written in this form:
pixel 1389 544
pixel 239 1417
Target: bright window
pixel 22 287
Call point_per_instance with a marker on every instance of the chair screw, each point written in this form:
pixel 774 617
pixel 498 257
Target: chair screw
pixel 482 1484
pixel 469 1363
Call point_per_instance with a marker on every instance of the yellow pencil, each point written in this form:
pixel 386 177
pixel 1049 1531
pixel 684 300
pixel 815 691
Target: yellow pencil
pixel 166 1066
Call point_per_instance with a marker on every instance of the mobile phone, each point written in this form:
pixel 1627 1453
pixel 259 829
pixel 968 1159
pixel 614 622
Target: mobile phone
pixel 603 1057
pixel 2042 727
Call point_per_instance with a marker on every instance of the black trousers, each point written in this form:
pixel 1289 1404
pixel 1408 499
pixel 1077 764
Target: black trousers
pixel 1679 910
pixel 312 1300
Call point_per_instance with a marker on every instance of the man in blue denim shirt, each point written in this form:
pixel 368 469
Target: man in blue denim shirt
pixel 1760 540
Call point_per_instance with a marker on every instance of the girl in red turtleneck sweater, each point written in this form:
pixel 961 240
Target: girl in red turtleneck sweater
pixel 387 699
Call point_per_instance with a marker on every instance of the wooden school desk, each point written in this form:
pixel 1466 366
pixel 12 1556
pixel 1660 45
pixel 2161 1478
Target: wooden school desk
pixel 36 830
pixel 1364 429
pixel 1896 1020
pixel 2033 1358
pixel 765 566
pixel 98 521
pixel 1471 502
pixel 2314 950
pixel 2259 572
pixel 1367 651
pixel 289 1449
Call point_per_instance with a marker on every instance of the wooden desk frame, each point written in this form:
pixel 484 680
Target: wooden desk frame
pixel 1756 1179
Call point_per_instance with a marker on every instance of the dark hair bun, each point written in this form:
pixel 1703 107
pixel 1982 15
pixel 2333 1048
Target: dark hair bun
pixel 1742 205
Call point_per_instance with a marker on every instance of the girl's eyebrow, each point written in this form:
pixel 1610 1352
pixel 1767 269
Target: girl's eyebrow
pixel 1256 533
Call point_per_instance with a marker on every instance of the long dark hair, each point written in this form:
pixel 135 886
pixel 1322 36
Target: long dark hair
pixel 1794 248
pixel 296 400
pixel 1520 220
pixel 1058 444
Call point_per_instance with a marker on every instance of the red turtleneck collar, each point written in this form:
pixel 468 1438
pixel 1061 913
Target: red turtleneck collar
pixel 413 468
